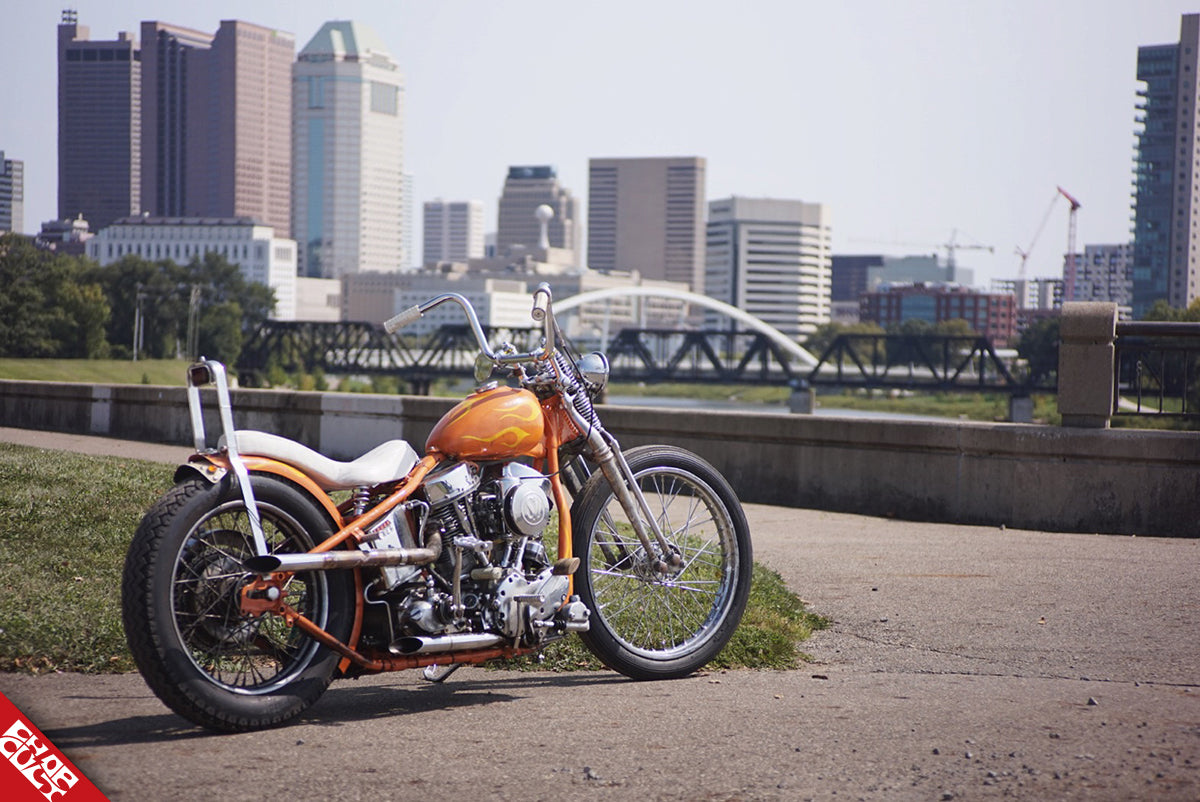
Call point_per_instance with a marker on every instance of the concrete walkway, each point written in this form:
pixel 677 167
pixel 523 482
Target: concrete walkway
pixel 963 663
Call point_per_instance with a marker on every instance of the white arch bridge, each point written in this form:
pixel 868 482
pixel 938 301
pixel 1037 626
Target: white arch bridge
pixel 755 353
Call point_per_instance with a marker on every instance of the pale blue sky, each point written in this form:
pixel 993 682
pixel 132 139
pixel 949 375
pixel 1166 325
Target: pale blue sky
pixel 909 119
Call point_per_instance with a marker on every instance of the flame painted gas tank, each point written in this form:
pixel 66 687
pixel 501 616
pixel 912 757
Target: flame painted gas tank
pixel 500 423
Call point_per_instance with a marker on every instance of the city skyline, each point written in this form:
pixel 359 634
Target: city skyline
pixel 911 121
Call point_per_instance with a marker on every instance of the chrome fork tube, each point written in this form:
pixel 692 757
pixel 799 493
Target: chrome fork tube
pixel 616 470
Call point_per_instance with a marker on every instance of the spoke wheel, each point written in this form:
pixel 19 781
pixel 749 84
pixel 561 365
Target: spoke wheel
pixel 656 617
pixel 242 653
pixel 181 605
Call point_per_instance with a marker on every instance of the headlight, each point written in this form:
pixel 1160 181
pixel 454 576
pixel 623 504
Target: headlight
pixel 594 369
pixel 483 369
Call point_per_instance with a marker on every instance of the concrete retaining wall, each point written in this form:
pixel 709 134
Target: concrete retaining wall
pixel 1122 481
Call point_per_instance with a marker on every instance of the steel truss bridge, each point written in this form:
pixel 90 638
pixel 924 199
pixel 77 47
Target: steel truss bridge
pixel 914 362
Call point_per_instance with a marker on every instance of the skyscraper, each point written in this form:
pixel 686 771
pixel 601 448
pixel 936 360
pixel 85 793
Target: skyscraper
pixel 453 231
pixel 216 122
pixel 12 195
pixel 647 214
pixel 771 258
pixel 1102 273
pixel 348 151
pixel 1165 255
pixel 99 125
pixel 525 189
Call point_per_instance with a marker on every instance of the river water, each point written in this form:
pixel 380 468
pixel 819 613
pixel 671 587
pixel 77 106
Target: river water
pixel 742 406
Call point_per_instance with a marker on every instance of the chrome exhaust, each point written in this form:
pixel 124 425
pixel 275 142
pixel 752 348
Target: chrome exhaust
pixel 330 560
pixel 445 643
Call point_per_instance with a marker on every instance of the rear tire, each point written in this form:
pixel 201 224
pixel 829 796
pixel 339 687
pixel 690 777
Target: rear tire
pixel 649 624
pixel 181 606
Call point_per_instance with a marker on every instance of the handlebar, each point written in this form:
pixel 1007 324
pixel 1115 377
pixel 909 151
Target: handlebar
pixel 542 313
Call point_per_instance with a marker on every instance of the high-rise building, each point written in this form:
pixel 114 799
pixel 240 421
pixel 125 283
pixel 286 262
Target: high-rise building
pixel 408 221
pixel 216 122
pixel 12 195
pixel 453 231
pixel 1165 255
pixel 518 228
pixel 348 149
pixel 1103 273
pixel 647 214
pixel 771 258
pixel 99 125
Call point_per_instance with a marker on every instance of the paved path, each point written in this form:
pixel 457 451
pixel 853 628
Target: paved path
pixel 963 663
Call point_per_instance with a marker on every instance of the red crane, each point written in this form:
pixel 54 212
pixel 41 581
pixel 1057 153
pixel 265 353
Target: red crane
pixel 1069 270
pixel 1024 254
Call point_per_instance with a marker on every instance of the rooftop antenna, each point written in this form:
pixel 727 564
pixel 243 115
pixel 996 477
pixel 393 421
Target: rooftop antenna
pixel 70 16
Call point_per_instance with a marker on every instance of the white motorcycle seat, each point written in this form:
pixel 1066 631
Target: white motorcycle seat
pixel 387 462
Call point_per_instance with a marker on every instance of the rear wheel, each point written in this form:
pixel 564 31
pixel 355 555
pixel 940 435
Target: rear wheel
pixel 181 604
pixel 651 621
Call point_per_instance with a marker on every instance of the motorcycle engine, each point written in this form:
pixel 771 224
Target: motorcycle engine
pixel 491 521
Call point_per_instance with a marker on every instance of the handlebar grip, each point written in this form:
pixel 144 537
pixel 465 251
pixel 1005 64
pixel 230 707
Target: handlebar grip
pixel 541 300
pixel 405 318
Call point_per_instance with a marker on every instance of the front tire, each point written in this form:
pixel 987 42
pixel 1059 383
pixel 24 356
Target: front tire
pixel 181 606
pixel 652 624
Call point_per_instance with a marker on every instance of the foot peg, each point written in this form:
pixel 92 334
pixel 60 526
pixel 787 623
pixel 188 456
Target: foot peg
pixel 566 566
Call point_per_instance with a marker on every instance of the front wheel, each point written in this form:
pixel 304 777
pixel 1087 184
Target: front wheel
pixel 651 621
pixel 181 605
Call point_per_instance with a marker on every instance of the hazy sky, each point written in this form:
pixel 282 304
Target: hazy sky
pixel 911 120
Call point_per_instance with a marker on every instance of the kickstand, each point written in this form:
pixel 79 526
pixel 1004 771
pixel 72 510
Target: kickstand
pixel 436 673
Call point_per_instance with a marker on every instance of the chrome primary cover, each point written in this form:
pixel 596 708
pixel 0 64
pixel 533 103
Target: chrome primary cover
pixel 526 495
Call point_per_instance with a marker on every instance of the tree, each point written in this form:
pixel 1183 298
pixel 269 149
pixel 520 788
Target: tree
pixel 1161 310
pixel 160 295
pixel 865 349
pixel 47 309
pixel 1038 346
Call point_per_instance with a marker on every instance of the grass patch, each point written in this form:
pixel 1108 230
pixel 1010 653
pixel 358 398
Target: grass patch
pixel 68 519
pixel 170 372
pixel 68 522
pixel 774 624
pixel 963 406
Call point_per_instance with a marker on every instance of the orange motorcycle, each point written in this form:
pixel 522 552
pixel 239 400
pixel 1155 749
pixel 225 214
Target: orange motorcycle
pixel 269 569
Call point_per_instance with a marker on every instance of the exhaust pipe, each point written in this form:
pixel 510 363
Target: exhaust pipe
pixel 445 643
pixel 329 560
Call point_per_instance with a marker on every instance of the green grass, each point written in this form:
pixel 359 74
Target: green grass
pixel 776 621
pixel 170 372
pixel 68 519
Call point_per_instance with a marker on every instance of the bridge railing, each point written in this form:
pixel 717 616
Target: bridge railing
pixel 1157 369
pixel 1108 368
pixel 920 362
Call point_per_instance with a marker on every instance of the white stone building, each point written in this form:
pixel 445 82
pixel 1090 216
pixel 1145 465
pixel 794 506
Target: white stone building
pixel 259 254
pixel 770 258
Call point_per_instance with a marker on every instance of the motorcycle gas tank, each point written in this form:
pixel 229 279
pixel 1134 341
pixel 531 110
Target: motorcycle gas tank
pixel 489 424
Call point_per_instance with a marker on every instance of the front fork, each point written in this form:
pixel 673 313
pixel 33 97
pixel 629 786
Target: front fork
pixel 606 453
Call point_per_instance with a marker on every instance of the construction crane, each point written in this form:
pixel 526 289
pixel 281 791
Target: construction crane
pixel 952 246
pixel 1024 254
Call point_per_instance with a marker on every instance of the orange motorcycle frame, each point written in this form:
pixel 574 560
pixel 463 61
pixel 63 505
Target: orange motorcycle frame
pixel 468 431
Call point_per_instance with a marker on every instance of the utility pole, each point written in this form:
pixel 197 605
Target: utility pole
pixel 193 332
pixel 138 323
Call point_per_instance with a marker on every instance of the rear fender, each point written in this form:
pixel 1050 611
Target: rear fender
pixel 213 467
